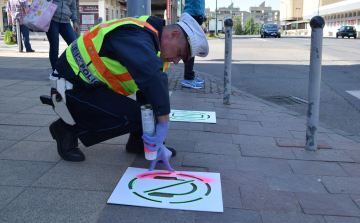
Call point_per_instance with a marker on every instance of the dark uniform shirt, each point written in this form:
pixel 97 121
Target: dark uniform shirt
pixel 135 48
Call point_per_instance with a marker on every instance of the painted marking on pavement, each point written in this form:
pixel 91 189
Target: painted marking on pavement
pixel 259 39
pixel 354 93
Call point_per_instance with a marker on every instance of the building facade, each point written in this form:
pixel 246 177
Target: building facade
pixel 91 10
pixel 265 14
pixel 336 13
pixel 260 14
pixel 223 12
pixel 244 16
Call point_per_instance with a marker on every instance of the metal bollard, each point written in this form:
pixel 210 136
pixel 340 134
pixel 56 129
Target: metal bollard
pixel 100 20
pixel 18 35
pixel 228 53
pixel 317 25
pixel 137 8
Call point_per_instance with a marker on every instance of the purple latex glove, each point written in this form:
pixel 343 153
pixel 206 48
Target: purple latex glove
pixel 162 158
pixel 153 143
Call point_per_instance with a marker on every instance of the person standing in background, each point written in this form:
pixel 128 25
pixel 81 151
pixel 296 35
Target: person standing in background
pixel 60 24
pixel 195 8
pixel 17 9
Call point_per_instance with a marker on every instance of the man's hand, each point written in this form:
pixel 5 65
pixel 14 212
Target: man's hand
pixel 153 143
pixel 9 20
pixel 76 28
pixel 162 159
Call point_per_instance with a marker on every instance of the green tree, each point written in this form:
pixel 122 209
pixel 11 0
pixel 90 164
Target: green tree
pixel 207 22
pixel 256 28
pixel 249 25
pixel 237 26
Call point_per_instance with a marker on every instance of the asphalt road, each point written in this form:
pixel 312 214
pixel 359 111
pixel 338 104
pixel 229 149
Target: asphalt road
pixel 275 69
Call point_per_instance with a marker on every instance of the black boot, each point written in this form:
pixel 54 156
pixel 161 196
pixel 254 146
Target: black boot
pixel 67 142
pixel 135 144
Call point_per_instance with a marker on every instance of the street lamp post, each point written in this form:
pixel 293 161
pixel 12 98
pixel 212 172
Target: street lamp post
pixel 250 23
pixel 180 7
pixel 297 18
pixel 286 17
pixel 216 19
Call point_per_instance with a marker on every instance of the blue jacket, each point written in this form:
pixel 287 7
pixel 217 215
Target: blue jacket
pixel 195 7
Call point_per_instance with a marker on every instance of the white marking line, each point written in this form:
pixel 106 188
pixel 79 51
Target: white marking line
pixel 303 39
pixel 354 93
pixel 259 39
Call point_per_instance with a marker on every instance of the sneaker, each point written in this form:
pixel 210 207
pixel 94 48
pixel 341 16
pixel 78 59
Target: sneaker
pixel 200 81
pixel 192 84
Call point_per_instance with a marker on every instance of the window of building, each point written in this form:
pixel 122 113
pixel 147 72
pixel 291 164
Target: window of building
pixel 342 23
pixel 345 23
pixel 338 16
pixel 350 14
pixel 359 22
pixel 346 15
pixel 342 15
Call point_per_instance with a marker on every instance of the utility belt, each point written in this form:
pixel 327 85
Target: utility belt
pixel 58 98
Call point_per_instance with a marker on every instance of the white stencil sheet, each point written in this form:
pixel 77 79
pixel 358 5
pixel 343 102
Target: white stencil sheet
pixel 196 191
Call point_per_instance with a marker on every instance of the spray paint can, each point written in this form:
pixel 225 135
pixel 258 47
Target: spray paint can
pixel 148 125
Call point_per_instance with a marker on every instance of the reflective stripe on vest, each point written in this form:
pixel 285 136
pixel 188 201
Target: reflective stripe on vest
pixel 83 57
pixel 82 65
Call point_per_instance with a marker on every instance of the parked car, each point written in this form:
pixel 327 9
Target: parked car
pixel 348 31
pixel 270 30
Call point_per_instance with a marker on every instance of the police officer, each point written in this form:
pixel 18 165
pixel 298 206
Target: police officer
pixel 114 59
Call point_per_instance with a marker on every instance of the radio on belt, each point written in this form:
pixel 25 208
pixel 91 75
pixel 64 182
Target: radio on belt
pixel 148 125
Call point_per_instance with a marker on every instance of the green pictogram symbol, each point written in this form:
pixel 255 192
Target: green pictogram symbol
pixel 189 115
pixel 176 189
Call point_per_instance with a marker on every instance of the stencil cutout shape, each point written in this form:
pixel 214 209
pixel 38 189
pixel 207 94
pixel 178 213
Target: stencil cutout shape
pixel 192 116
pixel 196 191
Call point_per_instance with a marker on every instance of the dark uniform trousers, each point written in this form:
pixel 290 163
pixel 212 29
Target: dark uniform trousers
pixel 189 67
pixel 101 114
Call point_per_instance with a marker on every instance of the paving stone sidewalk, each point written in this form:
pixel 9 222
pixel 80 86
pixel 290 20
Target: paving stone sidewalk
pixel 267 175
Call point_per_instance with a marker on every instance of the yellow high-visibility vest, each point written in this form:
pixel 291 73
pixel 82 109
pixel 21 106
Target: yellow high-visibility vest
pixel 83 57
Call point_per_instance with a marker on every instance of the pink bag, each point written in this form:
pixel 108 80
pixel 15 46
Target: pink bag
pixel 39 15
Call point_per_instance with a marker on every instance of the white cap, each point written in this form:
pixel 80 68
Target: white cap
pixel 198 43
